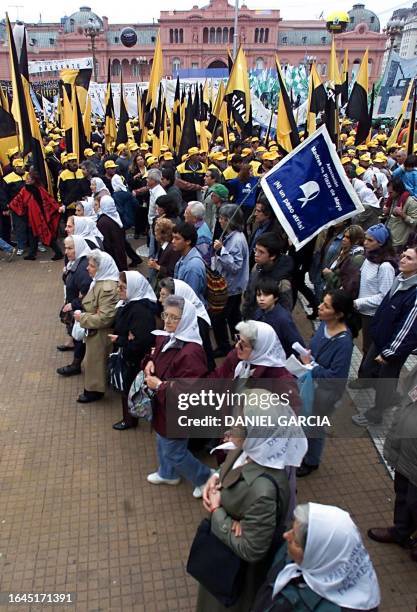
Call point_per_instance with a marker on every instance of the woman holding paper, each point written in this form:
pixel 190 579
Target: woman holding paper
pixel 329 359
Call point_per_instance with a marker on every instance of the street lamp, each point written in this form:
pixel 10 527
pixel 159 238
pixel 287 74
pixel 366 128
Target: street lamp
pixel 92 29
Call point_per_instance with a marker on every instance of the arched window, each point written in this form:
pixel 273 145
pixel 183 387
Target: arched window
pixel 125 68
pixel 324 69
pixel 181 35
pixel 176 65
pixel 231 35
pixel 266 35
pixel 135 68
pixel 212 35
pixel 205 35
pixel 259 63
pixel 171 36
pixel 370 64
pixel 218 36
pixel 355 67
pixel 256 35
pixel 176 36
pixel 225 35
pixel 115 68
pixel 261 35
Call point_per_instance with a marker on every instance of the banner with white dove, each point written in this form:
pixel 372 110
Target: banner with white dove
pixel 309 190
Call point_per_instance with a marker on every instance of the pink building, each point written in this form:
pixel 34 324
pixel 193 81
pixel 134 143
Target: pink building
pixel 199 38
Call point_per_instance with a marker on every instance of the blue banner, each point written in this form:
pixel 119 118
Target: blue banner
pixel 309 190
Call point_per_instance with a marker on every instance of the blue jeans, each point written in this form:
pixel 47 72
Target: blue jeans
pixel 5 246
pixel 20 225
pixel 176 460
pixel 315 451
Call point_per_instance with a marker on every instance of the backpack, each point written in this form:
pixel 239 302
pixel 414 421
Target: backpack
pixel 216 291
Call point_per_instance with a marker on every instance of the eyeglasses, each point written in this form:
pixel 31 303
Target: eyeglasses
pixel 121 287
pixel 169 317
pixel 242 343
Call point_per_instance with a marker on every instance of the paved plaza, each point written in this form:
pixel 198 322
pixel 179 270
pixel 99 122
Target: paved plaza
pixel 76 513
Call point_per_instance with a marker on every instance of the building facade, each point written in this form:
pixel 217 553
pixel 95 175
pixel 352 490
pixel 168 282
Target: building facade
pixel 198 39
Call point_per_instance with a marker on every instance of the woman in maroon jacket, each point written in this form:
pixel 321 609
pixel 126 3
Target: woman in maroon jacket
pixel 178 354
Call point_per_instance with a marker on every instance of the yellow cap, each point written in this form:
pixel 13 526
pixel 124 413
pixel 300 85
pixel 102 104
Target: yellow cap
pixel 255 139
pixel 270 156
pixel 218 156
pixel 261 149
pixel 48 149
pixel 380 158
pixel 362 147
pixel 144 146
pixel 151 160
pixel 351 152
pixel 219 139
pixel 133 146
pixel 372 144
pixel 273 148
pixel 88 152
pixel 346 160
pixel 193 151
pixel 350 141
pixel 246 152
pixel 164 148
pixel 168 156
pixel 18 163
pixel 343 136
pixel 232 137
pixel 109 164
pixel 13 151
pixel 121 146
pixel 355 161
pixel 365 157
pixel 63 158
pixel 72 157
pixel 96 145
pixel 360 171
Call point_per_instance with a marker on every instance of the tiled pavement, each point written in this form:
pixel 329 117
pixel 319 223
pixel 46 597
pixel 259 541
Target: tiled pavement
pixel 76 513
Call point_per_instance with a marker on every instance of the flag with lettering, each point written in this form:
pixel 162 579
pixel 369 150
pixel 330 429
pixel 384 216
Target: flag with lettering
pixel 309 190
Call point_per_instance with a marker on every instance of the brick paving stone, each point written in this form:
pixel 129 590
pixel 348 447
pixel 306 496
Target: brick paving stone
pixel 76 512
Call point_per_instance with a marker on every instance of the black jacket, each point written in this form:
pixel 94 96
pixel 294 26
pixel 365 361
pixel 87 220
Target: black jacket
pixel 280 271
pixel 138 318
pixel 280 319
pixel 77 281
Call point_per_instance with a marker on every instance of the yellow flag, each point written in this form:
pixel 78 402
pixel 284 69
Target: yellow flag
pixel 399 123
pixel 157 72
pixel 87 119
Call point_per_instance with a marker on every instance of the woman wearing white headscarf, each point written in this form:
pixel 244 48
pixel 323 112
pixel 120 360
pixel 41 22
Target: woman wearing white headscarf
pixel 85 208
pixel 98 187
pixel 87 228
pixel 258 353
pixel 248 499
pixel 178 354
pixel 77 282
pixel 169 286
pixel 110 225
pixel 99 306
pixel 135 321
pixel 330 568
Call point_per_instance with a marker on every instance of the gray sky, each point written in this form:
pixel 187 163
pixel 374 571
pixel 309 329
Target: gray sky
pixel 143 11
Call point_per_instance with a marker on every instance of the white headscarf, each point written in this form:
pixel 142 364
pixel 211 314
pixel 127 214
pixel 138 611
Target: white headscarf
pixel 108 207
pixel 267 351
pixel 99 183
pixel 86 227
pixel 137 289
pixel 185 291
pixel 81 249
pixel 336 564
pixel 187 328
pixel 281 444
pixel 106 268
pixel 117 183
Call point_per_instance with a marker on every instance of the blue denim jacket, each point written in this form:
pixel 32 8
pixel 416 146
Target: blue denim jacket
pixel 192 270
pixel 233 262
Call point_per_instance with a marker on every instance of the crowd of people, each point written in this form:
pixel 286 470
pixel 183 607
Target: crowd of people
pixel 214 300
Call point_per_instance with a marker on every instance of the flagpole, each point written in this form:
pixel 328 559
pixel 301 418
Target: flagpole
pixel 236 25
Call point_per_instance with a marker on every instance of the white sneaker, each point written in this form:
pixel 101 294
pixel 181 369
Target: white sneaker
pixel 41 248
pixel 20 252
pixel 156 479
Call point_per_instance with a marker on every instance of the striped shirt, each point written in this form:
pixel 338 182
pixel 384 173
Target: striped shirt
pixel 376 281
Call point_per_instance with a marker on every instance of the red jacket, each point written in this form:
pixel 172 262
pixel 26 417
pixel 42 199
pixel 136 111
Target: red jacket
pixel 43 220
pixel 275 379
pixel 188 362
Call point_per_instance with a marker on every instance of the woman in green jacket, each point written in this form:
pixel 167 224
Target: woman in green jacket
pixel 248 498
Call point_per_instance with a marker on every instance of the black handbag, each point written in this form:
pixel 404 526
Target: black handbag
pixel 217 567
